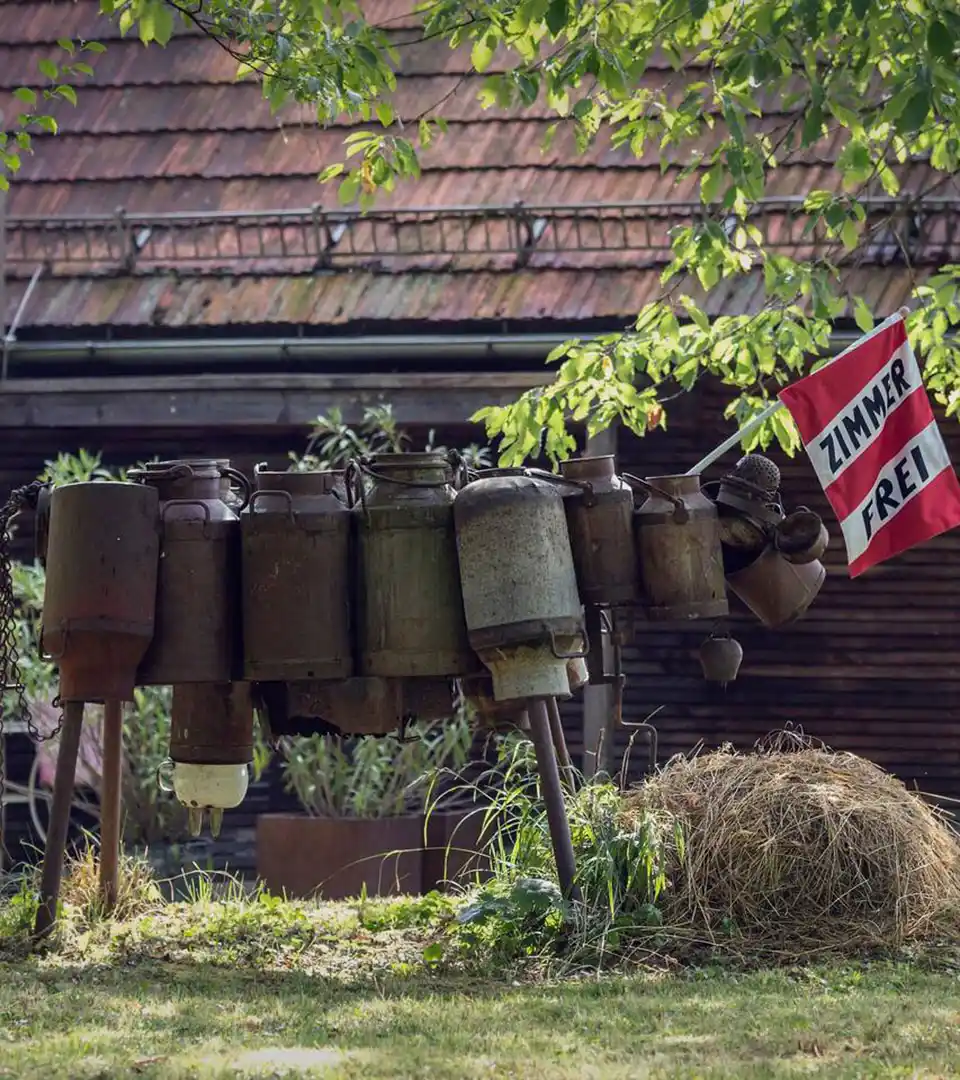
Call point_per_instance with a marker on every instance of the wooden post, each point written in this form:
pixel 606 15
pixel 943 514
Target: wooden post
pixel 110 804
pixel 63 785
pixel 598 727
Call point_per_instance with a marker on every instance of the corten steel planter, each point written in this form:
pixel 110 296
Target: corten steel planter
pixel 334 858
pixel 452 854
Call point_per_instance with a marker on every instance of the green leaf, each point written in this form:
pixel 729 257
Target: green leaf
pixel 433 954
pixel 915 112
pixel 482 52
pixel 26 95
pixel 862 314
pixel 940 41
pixel 69 93
pixel 384 114
pixel 330 172
pixel 557 16
pixel 850 234
pixel 349 189
pixel 50 69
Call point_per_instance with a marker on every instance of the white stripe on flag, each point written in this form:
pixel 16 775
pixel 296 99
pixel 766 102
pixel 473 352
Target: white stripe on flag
pixel 859 423
pixel 903 477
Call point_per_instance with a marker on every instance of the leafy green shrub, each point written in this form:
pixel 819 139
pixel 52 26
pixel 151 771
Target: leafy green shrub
pixel 333 443
pixel 373 777
pixel 621 871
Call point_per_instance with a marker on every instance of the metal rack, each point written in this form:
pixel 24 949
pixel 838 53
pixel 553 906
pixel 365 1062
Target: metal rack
pixel 454 237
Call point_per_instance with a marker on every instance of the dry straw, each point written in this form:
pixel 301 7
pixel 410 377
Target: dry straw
pixel 797 849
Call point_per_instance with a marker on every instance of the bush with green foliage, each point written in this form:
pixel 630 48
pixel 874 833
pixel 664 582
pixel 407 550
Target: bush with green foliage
pixel 520 911
pixel 373 777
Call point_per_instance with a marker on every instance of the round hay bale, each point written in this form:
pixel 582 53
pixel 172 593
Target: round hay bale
pixel 807 849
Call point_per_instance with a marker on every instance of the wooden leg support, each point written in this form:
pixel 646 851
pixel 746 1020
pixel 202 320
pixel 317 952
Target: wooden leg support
pixel 63 785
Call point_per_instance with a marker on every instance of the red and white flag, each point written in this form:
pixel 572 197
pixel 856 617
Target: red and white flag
pixel 866 424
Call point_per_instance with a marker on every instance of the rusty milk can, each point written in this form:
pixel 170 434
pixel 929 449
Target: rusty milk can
pixel 678 548
pixel 411 621
pixel 99 599
pixel 198 631
pixel 600 523
pixel 519 583
pixel 296 578
pixel 777 591
pixel 211 745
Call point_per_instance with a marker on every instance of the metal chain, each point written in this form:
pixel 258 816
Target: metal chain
pixel 22 498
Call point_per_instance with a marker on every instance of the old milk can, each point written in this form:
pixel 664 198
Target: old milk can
pixel 678 549
pixel 296 578
pixel 775 590
pixel 410 608
pixel 211 744
pixel 99 600
pixel 197 638
pixel 599 508
pixel 519 584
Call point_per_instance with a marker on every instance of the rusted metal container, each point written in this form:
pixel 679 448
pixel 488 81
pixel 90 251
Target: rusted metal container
pixel 801 537
pixel 363 705
pixel 748 503
pixel 296 578
pixel 678 548
pixel 411 621
pixel 519 583
pixel 600 524
pixel 775 590
pixel 198 630
pixel 211 745
pixel 99 599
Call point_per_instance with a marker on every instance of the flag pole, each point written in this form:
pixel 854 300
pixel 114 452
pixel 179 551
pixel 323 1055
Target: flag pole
pixel 775 406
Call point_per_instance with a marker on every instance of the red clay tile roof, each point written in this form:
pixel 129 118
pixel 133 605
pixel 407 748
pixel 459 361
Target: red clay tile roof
pixel 168 137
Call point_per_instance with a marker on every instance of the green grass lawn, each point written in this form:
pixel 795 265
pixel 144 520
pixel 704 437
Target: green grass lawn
pixel 266 988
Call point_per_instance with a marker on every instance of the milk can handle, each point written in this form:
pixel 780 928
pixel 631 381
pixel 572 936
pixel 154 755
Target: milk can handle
pixel 681 515
pixel 180 471
pixel 164 781
pixel 555 478
pixel 52 658
pixel 274 491
pixel 576 655
pixel 244 484
pixel 187 502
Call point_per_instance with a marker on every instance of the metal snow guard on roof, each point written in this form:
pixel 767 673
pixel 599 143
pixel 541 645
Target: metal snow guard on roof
pixel 317 237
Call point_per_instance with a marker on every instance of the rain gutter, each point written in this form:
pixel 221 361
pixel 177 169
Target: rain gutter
pixel 383 347
pixel 358 349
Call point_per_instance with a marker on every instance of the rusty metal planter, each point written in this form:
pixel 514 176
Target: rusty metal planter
pixel 336 857
pixel 452 853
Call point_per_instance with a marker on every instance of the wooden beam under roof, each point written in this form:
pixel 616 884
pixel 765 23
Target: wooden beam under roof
pixel 253 401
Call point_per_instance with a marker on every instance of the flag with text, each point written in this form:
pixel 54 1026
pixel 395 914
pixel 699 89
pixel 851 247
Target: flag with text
pixel 868 428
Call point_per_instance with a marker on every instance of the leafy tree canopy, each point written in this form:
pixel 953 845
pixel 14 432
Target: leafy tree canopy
pixel 766 80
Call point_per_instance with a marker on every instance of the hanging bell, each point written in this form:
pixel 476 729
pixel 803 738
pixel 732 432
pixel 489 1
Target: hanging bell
pixel 720 658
